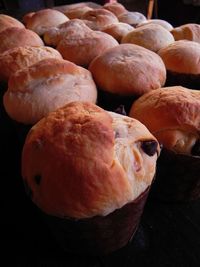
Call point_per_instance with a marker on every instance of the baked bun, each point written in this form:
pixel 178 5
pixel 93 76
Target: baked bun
pixel 165 24
pixel 22 57
pixel 116 8
pixel 77 12
pixel 99 18
pixel 15 37
pixel 132 18
pixel 92 162
pixel 151 36
pixel 128 69
pixel 189 31
pixel 45 86
pixel 44 19
pixel 172 115
pixel 118 30
pixel 8 22
pixel 72 27
pixel 82 48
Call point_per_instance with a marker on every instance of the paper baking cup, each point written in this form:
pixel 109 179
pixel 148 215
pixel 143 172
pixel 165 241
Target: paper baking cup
pixel 177 177
pixel 98 235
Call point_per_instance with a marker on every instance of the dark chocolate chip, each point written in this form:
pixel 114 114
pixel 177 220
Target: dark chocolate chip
pixel 196 149
pixel 28 190
pixel 149 147
pixel 37 179
pixel 120 110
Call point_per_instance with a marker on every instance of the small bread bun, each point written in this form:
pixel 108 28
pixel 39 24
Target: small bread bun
pixel 44 19
pixel 22 57
pixel 82 48
pixel 8 22
pixel 118 30
pixel 77 12
pixel 15 37
pixel 116 8
pixel 189 31
pixel 182 57
pixel 72 27
pixel 172 114
pixel 92 162
pixel 128 69
pixel 45 86
pixel 99 18
pixel 27 17
pixel 151 36
pixel 132 18
pixel 165 24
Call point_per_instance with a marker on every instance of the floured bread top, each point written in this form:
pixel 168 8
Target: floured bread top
pixel 82 161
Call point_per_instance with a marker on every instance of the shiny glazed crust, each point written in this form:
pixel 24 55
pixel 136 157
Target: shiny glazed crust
pixel 128 69
pixel 22 57
pixel 172 114
pixel 45 86
pixel 75 166
pixel 44 19
pixel 182 57
pixel 15 37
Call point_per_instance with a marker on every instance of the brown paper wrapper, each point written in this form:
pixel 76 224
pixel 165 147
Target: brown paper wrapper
pixel 191 81
pixel 177 177
pixel 111 102
pixel 98 235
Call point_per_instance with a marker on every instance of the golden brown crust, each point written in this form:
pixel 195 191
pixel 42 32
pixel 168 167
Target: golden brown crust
pixel 85 179
pixel 182 57
pixel 50 83
pixel 118 30
pixel 190 31
pixel 15 37
pixel 44 19
pixel 8 22
pixel 22 57
pixel 132 18
pixel 172 114
pixel 128 69
pixel 99 18
pixel 82 48
pixel 77 12
pixel 165 24
pixel 151 36
pixel 116 8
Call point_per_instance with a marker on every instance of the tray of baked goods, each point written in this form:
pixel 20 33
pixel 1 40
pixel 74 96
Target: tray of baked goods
pixel 100 127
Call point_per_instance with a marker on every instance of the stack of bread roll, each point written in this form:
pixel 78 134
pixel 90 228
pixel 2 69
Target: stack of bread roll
pixel 67 71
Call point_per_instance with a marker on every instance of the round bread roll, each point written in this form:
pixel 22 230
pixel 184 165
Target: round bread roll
pixel 151 36
pixel 44 19
pixel 74 27
pixel 132 18
pixel 99 18
pixel 107 166
pixel 189 31
pixel 116 8
pixel 22 57
pixel 8 22
pixel 118 30
pixel 83 48
pixel 45 86
pixel 77 12
pixel 165 24
pixel 27 17
pixel 172 114
pixel 182 57
pixel 128 69
pixel 15 37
